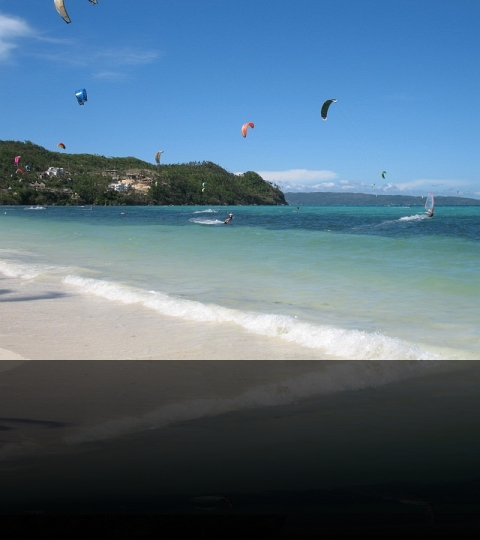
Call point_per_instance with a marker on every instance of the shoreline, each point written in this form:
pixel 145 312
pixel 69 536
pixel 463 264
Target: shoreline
pixel 61 324
pixel 9 355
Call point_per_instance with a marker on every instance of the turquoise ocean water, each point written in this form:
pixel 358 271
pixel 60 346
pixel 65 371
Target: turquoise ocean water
pixel 355 282
pixel 318 437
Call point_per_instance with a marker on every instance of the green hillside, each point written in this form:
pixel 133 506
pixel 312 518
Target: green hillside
pixel 85 179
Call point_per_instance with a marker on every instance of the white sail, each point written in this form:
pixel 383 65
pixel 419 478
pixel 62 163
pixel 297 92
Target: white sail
pixel 430 202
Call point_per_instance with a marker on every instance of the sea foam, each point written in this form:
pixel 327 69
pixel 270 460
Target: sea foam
pixel 22 271
pixel 204 221
pixel 416 217
pixel 29 271
pixel 350 344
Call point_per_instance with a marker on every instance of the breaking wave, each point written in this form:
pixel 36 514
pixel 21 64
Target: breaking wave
pixel 351 344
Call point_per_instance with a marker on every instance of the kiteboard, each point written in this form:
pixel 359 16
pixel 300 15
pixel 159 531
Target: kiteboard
pixel 430 203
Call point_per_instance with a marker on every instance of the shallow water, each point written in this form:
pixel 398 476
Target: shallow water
pixel 359 283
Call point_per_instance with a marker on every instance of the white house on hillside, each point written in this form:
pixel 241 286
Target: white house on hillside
pixel 55 171
pixel 122 188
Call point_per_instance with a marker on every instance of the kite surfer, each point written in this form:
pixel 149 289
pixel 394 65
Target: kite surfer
pixel 429 205
pixel 229 218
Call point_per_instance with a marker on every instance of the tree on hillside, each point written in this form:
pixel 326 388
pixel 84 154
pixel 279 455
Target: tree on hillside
pixel 87 177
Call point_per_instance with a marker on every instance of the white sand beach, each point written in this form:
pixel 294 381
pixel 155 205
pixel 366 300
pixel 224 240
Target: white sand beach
pixel 9 355
pixel 48 320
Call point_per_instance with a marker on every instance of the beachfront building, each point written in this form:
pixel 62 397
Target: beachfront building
pixel 120 187
pixel 55 171
pixel 138 175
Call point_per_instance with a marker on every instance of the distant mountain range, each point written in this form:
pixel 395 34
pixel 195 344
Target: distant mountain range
pixel 364 199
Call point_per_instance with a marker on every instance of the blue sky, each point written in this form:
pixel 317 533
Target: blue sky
pixel 184 75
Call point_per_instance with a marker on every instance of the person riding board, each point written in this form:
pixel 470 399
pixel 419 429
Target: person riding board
pixel 229 218
pixel 430 213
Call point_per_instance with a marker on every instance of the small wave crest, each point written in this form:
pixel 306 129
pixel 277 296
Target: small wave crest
pixel 208 211
pixel 22 271
pixel 28 271
pixel 351 344
pixel 416 217
pixel 204 221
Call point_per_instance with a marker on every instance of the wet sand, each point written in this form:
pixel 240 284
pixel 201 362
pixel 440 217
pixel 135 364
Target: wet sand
pixel 41 320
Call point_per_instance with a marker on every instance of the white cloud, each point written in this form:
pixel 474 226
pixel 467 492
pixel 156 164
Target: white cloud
pixel 103 60
pixel 420 186
pixel 120 58
pixel 324 185
pixel 300 179
pixel 421 183
pixel 109 64
pixel 106 60
pixel 297 175
pixel 304 180
pixel 11 29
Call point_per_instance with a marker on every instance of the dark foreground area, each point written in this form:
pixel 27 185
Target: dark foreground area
pixel 379 511
pixel 241 526
pixel 397 460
